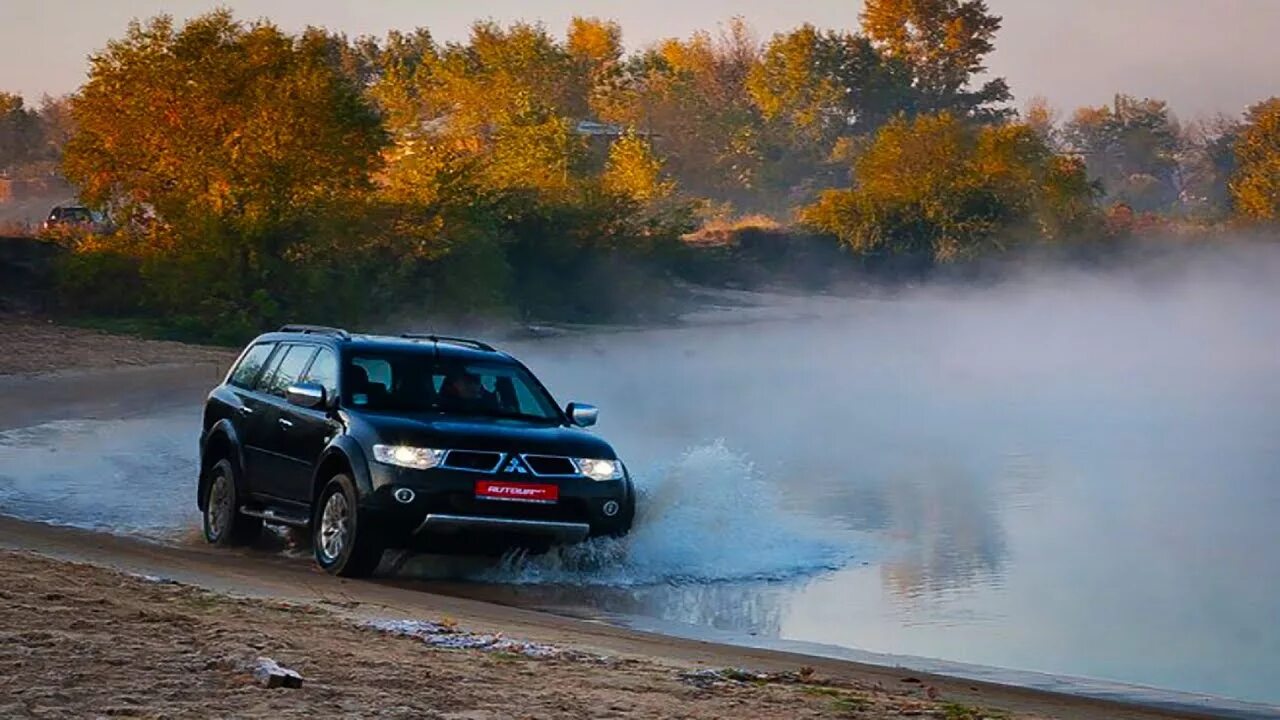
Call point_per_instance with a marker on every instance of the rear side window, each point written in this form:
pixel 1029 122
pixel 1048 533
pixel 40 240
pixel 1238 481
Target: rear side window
pixel 288 370
pixel 324 372
pixel 251 364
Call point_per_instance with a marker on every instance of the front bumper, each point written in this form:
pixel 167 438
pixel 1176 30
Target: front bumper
pixel 445 504
pixel 563 532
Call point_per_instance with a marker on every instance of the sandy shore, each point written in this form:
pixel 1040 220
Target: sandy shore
pixel 82 641
pixel 84 635
pixel 30 345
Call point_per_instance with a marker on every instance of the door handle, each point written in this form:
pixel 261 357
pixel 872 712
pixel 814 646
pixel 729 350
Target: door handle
pixel 286 423
pixel 245 410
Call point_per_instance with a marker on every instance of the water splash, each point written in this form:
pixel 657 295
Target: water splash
pixel 708 517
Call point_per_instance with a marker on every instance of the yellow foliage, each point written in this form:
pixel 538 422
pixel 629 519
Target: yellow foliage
pixel 635 171
pixel 1255 187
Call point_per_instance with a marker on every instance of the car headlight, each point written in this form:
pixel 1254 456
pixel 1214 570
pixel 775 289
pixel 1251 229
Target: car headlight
pixel 599 469
pixel 406 456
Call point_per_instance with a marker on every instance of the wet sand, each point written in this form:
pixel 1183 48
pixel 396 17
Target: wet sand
pixel 81 638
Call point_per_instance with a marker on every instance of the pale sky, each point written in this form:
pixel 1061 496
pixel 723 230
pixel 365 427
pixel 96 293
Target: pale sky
pixel 1203 56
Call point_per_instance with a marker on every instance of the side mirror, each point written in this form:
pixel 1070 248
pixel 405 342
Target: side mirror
pixel 305 394
pixel 581 414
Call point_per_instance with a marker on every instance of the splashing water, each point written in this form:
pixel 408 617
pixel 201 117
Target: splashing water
pixel 708 517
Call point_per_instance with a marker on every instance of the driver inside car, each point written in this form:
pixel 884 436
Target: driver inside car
pixel 464 391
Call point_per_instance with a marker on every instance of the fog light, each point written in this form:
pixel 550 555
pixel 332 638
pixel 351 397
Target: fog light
pixel 403 495
pixel 610 508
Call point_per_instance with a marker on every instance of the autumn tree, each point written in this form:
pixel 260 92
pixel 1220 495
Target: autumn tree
pixel 595 47
pixel 691 96
pixel 943 44
pixel 1255 186
pixel 245 145
pixel 939 188
pixel 634 171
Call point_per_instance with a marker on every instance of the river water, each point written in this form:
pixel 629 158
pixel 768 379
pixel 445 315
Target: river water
pixel 1068 473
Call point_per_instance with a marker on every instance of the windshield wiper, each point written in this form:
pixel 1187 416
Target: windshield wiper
pixel 496 414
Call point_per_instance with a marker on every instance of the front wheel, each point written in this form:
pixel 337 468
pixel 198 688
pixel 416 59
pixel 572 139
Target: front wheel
pixel 345 540
pixel 224 524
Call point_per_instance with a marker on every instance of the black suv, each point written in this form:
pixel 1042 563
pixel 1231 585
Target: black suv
pixel 421 441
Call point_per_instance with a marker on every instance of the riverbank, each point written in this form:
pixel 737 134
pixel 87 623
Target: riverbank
pixel 98 624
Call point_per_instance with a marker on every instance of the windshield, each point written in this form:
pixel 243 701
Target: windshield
pixel 419 382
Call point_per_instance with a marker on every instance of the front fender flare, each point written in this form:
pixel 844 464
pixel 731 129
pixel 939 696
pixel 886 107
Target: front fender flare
pixel 345 451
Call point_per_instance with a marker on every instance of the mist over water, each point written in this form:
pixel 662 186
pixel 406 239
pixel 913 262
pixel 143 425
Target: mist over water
pixel 1074 472
pixel 1066 471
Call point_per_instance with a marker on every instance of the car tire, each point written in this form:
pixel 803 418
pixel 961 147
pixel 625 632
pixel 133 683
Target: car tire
pixel 224 524
pixel 346 540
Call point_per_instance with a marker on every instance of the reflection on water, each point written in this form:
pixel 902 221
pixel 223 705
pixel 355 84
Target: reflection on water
pixel 950 534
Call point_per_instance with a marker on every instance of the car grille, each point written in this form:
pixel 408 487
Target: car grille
pixel 550 465
pixel 477 460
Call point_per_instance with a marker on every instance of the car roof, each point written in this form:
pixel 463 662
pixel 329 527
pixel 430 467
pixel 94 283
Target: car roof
pixel 454 348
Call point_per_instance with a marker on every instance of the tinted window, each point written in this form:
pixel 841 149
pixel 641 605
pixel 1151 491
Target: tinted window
pixel 418 382
pixel 249 366
pixel 324 371
pixel 288 370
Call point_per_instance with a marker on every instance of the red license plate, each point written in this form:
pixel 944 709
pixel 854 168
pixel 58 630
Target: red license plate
pixel 517 492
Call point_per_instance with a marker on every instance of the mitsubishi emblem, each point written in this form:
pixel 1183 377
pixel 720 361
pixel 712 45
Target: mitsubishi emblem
pixel 515 466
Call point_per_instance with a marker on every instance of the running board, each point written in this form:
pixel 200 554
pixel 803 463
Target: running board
pixel 272 516
pixel 568 532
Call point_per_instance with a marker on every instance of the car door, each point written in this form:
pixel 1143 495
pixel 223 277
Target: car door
pixel 273 425
pixel 306 431
pixel 254 368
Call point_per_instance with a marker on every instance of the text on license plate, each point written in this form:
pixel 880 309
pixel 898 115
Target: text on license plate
pixel 518 492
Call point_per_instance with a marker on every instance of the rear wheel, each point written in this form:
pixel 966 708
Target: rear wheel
pixel 346 541
pixel 224 524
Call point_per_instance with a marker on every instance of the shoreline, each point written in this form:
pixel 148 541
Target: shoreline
pixel 271 578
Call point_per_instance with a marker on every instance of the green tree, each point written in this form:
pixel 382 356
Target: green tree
pixel 824 84
pixel 943 44
pixel 19 132
pixel 938 188
pixel 818 91
pixel 1132 147
pixel 1255 186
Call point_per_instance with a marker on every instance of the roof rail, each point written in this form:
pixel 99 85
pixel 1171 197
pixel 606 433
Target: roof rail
pixel 317 329
pixel 449 339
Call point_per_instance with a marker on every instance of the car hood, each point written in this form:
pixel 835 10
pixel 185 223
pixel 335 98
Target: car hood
pixel 480 433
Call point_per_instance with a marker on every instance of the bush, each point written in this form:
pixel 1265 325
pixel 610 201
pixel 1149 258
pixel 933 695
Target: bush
pixel 100 281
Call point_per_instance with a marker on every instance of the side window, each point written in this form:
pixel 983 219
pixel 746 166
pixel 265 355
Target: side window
pixel 379 371
pixel 289 370
pixel 368 382
pixel 324 371
pixel 247 371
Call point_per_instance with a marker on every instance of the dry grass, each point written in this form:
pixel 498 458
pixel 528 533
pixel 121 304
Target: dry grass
pixel 724 231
